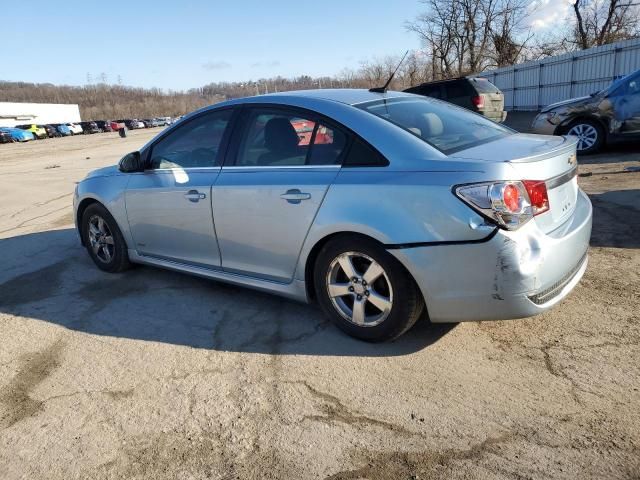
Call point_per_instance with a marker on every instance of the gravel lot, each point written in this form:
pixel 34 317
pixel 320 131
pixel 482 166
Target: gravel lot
pixel 153 374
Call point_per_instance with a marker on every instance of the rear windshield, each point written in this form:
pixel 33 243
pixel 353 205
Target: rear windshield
pixel 482 85
pixel 441 125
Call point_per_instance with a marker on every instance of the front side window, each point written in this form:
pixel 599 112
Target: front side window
pixel 196 144
pixel 276 138
pixel 445 127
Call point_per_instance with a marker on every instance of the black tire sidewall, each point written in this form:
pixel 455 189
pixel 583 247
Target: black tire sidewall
pixel 120 259
pixel 407 300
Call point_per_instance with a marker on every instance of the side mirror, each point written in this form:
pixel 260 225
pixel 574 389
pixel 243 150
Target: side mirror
pixel 131 162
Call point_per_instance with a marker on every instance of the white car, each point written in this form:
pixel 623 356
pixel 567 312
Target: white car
pixel 140 124
pixel 75 128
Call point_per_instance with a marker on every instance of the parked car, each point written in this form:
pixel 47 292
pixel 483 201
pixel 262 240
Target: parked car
pixel 62 129
pixel 104 125
pixel 608 116
pixel 5 137
pixel 38 131
pixel 140 124
pixel 75 128
pixel 413 202
pixel 474 93
pixel 18 134
pixel 161 121
pixel 51 130
pixel 89 127
pixel 148 123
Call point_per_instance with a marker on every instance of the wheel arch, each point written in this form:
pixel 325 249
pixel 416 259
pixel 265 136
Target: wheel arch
pixel 309 263
pixel 82 206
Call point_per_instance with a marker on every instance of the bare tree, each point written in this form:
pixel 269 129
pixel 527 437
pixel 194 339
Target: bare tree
pixel 467 36
pixel 598 22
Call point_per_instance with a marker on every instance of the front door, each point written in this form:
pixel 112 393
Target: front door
pixel 627 107
pixel 169 204
pixel 265 202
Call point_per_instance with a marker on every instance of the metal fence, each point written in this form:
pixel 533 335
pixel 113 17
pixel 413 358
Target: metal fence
pixel 533 85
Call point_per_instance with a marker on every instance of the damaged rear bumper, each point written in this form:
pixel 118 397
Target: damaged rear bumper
pixel 514 274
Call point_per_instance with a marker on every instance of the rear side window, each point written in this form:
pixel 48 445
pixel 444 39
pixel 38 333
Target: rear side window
pixel 445 127
pixel 482 85
pixel 362 155
pixel 457 89
pixel 196 144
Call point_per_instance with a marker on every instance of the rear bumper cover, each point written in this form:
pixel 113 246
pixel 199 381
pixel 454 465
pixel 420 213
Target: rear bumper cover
pixel 514 274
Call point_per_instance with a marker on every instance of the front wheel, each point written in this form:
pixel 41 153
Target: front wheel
pixel 365 290
pixel 590 135
pixel 103 239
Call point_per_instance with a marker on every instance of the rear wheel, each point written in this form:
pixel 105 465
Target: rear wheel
pixel 365 290
pixel 590 135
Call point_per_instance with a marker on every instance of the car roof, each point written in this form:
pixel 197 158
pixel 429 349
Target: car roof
pixel 349 96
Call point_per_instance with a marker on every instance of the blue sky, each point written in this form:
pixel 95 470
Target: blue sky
pixel 182 44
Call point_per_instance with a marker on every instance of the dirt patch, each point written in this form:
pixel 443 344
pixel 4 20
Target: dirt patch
pixel 34 369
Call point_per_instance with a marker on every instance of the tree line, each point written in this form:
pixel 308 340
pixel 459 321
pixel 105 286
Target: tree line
pixel 459 37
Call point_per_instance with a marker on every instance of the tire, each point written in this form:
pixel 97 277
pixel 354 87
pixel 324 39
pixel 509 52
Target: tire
pixel 590 135
pixel 110 254
pixel 398 303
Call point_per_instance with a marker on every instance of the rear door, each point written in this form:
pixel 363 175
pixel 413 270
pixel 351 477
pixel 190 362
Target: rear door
pixel 169 204
pixel 265 200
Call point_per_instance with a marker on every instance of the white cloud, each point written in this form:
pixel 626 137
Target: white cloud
pixel 216 65
pixel 544 14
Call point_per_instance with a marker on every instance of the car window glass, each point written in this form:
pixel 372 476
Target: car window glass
pixel 195 144
pixel 455 90
pixel 482 85
pixel 447 128
pixel 275 138
pixel 634 87
pixel 328 145
pixel 432 91
pixel 362 155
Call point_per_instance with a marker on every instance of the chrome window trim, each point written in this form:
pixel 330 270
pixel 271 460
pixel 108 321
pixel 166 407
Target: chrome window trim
pixel 282 167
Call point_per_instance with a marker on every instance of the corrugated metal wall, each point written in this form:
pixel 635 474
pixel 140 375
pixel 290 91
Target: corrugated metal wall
pixel 533 85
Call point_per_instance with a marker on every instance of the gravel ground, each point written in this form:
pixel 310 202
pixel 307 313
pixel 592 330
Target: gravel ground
pixel 153 374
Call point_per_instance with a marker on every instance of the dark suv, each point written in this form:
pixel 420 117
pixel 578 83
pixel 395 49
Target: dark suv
pixel 608 116
pixel 104 125
pixel 476 94
pixel 89 127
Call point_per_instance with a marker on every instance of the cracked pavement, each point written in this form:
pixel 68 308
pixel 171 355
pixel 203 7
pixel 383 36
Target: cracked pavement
pixel 154 374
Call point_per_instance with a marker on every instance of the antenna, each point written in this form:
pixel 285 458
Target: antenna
pixel 386 85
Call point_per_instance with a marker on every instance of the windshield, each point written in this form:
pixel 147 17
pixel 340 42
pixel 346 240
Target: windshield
pixel 441 125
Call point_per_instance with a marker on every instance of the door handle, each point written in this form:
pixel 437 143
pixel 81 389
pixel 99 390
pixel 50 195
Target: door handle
pixel 295 196
pixel 194 196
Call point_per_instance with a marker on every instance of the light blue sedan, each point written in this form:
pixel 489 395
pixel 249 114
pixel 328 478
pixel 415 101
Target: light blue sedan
pixel 18 134
pixel 380 207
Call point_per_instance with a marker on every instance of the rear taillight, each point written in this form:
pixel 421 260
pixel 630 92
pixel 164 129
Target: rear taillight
pixel 478 101
pixel 509 204
pixel 538 196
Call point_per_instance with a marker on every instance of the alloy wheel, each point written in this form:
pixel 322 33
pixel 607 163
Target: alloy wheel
pixel 359 289
pixel 101 239
pixel 587 135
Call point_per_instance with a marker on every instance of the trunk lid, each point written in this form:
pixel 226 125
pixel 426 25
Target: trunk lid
pixel 538 157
